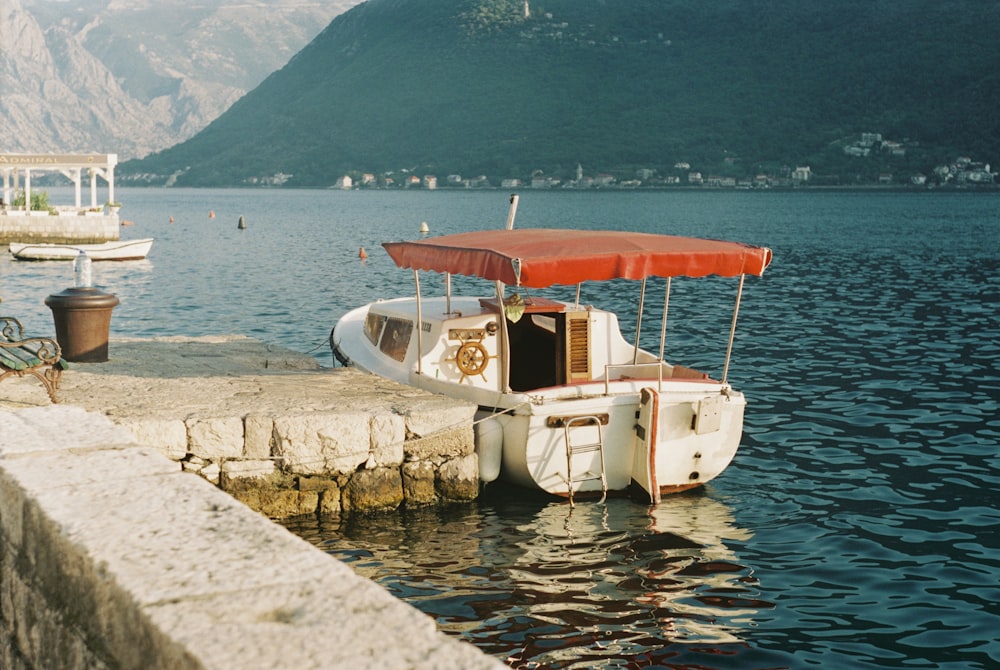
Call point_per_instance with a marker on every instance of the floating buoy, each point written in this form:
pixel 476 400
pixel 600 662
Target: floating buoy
pixel 424 228
pixel 171 219
pixel 362 254
pixel 242 225
pixel 211 214
pixel 126 222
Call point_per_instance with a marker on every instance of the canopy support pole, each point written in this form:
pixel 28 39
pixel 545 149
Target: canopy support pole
pixel 420 325
pixel 504 343
pixel 663 329
pixel 512 211
pixel 638 322
pixel 732 332
pixel 447 293
pixel 578 285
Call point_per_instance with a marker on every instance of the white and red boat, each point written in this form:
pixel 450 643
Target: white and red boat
pixel 566 404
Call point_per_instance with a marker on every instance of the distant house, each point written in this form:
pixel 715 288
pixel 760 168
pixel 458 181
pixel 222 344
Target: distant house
pixel 894 148
pixel 345 183
pixel 694 178
pixel 977 176
pixel 885 178
pixel 868 139
pixel 801 174
pixel 430 182
pixel 721 182
pixel 510 183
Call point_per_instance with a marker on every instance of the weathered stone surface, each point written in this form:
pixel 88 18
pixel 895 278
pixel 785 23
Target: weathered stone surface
pixel 277 503
pixel 371 490
pixel 246 400
pixel 181 576
pixel 323 443
pixel 252 473
pixel 439 414
pixel 388 431
pixel 215 437
pixel 451 443
pixel 211 472
pixel 316 483
pixel 169 436
pixel 458 479
pixel 329 501
pixel 418 483
pixel 258 432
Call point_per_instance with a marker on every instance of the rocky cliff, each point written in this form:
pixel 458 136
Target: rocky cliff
pixel 135 76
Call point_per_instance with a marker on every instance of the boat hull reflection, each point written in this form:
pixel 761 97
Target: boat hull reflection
pixel 535 582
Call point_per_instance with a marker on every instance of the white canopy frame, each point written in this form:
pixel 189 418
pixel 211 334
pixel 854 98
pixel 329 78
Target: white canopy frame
pixel 71 166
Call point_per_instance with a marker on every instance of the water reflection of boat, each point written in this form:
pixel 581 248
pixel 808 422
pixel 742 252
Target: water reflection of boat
pixel 679 575
pixel 535 581
pixel 566 403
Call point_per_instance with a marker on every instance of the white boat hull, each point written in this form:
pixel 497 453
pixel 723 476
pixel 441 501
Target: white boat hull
pixel 121 250
pixel 698 421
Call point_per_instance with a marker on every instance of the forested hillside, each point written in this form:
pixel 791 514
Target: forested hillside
pixel 505 88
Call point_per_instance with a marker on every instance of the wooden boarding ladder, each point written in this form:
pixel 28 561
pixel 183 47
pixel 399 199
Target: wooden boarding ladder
pixel 584 448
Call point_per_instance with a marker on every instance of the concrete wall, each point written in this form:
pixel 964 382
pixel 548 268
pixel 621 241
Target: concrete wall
pixel 71 229
pixel 112 558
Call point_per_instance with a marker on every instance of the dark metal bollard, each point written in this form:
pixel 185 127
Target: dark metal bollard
pixel 83 322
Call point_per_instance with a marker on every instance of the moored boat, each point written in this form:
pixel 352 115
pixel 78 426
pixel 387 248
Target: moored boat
pixel 566 404
pixel 119 250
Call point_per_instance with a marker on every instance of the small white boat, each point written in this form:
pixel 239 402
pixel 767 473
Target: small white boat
pixel 566 404
pixel 120 250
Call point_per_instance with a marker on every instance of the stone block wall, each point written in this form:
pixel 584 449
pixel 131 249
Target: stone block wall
pixel 412 451
pixel 46 228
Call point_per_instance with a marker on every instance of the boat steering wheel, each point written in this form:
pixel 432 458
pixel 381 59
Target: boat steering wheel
pixel 472 359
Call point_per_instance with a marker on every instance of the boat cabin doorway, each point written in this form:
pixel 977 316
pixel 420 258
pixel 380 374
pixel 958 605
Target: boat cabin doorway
pixel 549 345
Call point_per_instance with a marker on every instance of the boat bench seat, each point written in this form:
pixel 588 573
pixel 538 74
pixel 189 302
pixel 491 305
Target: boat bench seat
pixel 683 372
pixel 40 357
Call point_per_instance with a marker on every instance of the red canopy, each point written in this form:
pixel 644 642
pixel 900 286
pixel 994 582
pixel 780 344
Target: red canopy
pixel 549 256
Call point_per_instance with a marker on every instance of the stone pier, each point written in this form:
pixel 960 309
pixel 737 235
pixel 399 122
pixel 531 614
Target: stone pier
pixel 111 557
pixel 66 226
pixel 115 554
pixel 272 428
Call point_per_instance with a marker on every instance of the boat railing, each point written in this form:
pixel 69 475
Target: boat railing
pixel 649 372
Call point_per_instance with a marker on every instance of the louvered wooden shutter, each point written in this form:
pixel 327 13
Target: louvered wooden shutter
pixel 577 346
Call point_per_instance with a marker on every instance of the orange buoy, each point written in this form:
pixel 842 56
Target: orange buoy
pixel 211 214
pixel 362 254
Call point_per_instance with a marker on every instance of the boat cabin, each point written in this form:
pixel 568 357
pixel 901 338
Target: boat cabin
pixel 552 344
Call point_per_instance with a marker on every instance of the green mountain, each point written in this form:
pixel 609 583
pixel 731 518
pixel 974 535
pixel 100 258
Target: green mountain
pixel 504 88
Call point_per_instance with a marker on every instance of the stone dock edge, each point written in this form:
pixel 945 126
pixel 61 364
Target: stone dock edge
pixel 114 558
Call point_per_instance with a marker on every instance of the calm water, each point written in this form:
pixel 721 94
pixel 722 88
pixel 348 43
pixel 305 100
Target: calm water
pixel 858 525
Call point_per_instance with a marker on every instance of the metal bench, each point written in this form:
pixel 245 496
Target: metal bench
pixel 36 356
